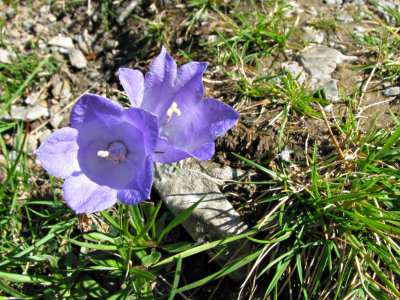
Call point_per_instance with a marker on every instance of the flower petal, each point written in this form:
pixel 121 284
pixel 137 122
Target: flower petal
pixel 113 174
pixel 138 189
pixel 85 196
pixel 189 80
pixel 166 154
pixel 133 83
pixel 199 124
pixel 159 85
pixel 95 130
pixel 204 152
pixel 93 107
pixel 147 123
pixel 58 152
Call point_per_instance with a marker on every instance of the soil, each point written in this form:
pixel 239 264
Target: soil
pixel 130 44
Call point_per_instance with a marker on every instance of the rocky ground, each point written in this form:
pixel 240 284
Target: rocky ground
pixel 82 44
pixel 88 46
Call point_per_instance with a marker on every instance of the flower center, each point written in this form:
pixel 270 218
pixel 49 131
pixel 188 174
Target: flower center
pixel 171 111
pixel 116 152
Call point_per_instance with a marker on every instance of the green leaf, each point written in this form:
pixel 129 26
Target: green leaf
pixel 205 247
pixel 99 237
pixel 92 288
pixel 176 247
pixel 135 271
pixel 152 258
pixel 180 218
pixel 261 168
pixel 224 271
pixel 149 223
pixel 26 278
pixel 278 274
pixel 91 245
pixel 176 278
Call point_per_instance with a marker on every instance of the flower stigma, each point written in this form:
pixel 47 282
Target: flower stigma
pixel 116 152
pixel 171 111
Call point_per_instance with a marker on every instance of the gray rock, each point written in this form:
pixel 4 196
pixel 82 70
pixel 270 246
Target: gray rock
pixel 56 120
pixel 10 12
pixel 31 144
pixel 61 89
pixel 28 113
pixel 321 61
pixel 85 41
pixel 344 17
pixel 42 135
pixel 51 18
pixel 179 41
pixel 224 174
pixel 360 28
pixel 33 98
pixel 392 91
pixel 127 11
pixel 28 24
pixel 295 70
pixel 213 219
pixel 333 2
pixel 329 108
pixel 62 43
pixel 330 91
pixel 77 59
pixel 5 56
pixel 97 48
pixel 313 36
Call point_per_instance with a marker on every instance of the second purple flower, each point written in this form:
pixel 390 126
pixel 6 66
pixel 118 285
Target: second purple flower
pixel 188 124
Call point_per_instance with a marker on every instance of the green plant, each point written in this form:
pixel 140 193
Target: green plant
pixel 331 228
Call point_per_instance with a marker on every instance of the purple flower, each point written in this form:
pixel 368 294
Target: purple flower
pixel 188 124
pixel 105 155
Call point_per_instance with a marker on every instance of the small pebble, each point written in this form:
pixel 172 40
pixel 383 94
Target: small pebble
pixel 328 108
pixel 56 120
pixel 28 113
pixel 10 12
pixel 285 155
pixel 344 17
pixel 313 36
pixel 77 59
pixel 62 42
pixel 360 28
pixel 392 91
pixel 295 70
pixel 5 56
pixel 330 91
pixel 43 135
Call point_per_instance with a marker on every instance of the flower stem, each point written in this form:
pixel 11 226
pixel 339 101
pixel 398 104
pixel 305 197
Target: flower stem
pixel 125 226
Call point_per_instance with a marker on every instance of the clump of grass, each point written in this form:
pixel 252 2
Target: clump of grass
pixel 283 89
pixel 332 226
pixel 383 42
pixel 253 34
pixel 20 76
pixel 197 10
pixel 155 34
pixel 326 24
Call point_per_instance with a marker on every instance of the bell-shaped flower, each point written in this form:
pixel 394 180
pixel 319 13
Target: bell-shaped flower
pixel 105 155
pixel 188 123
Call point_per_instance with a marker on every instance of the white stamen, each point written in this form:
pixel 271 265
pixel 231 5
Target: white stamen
pixel 173 109
pixel 103 153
